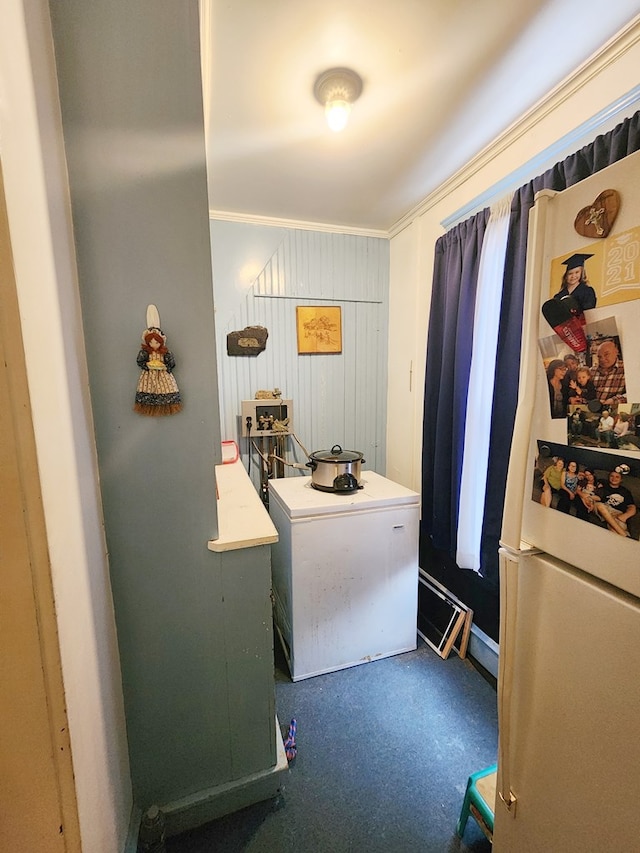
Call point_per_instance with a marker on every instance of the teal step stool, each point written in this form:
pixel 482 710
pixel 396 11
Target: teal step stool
pixel 480 800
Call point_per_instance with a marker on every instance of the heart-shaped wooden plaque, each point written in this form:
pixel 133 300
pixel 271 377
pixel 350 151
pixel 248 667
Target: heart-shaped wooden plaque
pixel 596 220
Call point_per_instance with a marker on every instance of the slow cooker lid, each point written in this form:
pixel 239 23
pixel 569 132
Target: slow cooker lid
pixel 336 454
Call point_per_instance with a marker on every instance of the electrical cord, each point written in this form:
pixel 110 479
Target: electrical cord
pixel 262 455
pixel 266 458
pixel 306 452
pixel 300 465
pixel 249 423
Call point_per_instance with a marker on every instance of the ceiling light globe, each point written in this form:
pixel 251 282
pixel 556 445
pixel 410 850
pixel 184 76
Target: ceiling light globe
pixel 336 89
pixel 337 114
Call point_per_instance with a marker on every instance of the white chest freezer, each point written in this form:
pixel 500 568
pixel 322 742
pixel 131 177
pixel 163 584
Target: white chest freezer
pixel 345 572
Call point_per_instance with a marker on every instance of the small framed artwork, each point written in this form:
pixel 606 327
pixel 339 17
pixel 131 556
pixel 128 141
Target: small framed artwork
pixel 319 329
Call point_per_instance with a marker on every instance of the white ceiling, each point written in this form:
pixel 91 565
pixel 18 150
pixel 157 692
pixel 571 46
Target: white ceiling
pixel 442 78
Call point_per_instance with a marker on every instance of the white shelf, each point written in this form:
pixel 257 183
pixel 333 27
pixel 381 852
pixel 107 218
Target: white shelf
pixel 243 522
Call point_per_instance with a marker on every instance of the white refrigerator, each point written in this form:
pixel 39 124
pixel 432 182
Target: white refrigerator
pixel 569 672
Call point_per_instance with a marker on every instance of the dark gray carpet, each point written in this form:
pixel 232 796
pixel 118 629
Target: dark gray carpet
pixel 384 752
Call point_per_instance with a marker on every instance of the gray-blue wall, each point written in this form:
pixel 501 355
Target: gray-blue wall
pixel 130 88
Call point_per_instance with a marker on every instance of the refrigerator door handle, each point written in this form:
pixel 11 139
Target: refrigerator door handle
pixel 509 562
pixel 509 801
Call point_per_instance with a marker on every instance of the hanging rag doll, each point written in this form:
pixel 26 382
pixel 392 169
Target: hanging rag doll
pixel 157 392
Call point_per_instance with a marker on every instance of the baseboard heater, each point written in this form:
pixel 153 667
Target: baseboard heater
pixel 484 650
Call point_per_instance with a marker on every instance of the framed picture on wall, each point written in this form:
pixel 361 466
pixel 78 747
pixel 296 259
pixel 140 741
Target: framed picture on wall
pixel 319 329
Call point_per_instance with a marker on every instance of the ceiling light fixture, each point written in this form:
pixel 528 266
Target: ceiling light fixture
pixel 336 89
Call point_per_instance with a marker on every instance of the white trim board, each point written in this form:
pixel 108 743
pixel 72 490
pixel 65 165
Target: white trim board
pixel 252 219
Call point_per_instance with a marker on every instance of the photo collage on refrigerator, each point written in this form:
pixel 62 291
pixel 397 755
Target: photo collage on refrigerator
pixel 587 377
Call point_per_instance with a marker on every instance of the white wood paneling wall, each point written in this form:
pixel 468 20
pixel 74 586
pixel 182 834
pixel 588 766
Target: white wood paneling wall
pixel 261 274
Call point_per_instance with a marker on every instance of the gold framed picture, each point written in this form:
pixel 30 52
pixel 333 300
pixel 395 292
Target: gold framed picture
pixel 319 329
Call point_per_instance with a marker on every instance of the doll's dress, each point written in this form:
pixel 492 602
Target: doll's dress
pixel 157 392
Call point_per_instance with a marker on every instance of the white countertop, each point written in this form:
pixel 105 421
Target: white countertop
pixel 243 521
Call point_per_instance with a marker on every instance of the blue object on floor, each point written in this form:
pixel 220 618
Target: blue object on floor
pixel 479 801
pixel 290 748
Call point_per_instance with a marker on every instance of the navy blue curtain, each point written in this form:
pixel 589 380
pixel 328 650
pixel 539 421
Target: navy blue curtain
pixel 449 347
pixel 606 149
pixel 457 256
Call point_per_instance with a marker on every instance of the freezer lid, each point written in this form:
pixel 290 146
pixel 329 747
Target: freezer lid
pixel 298 499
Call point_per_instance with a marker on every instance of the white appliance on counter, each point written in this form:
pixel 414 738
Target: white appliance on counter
pixel 345 572
pixel 569 672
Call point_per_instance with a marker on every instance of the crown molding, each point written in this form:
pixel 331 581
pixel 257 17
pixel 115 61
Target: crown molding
pixel 571 142
pixel 251 219
pixel 610 53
